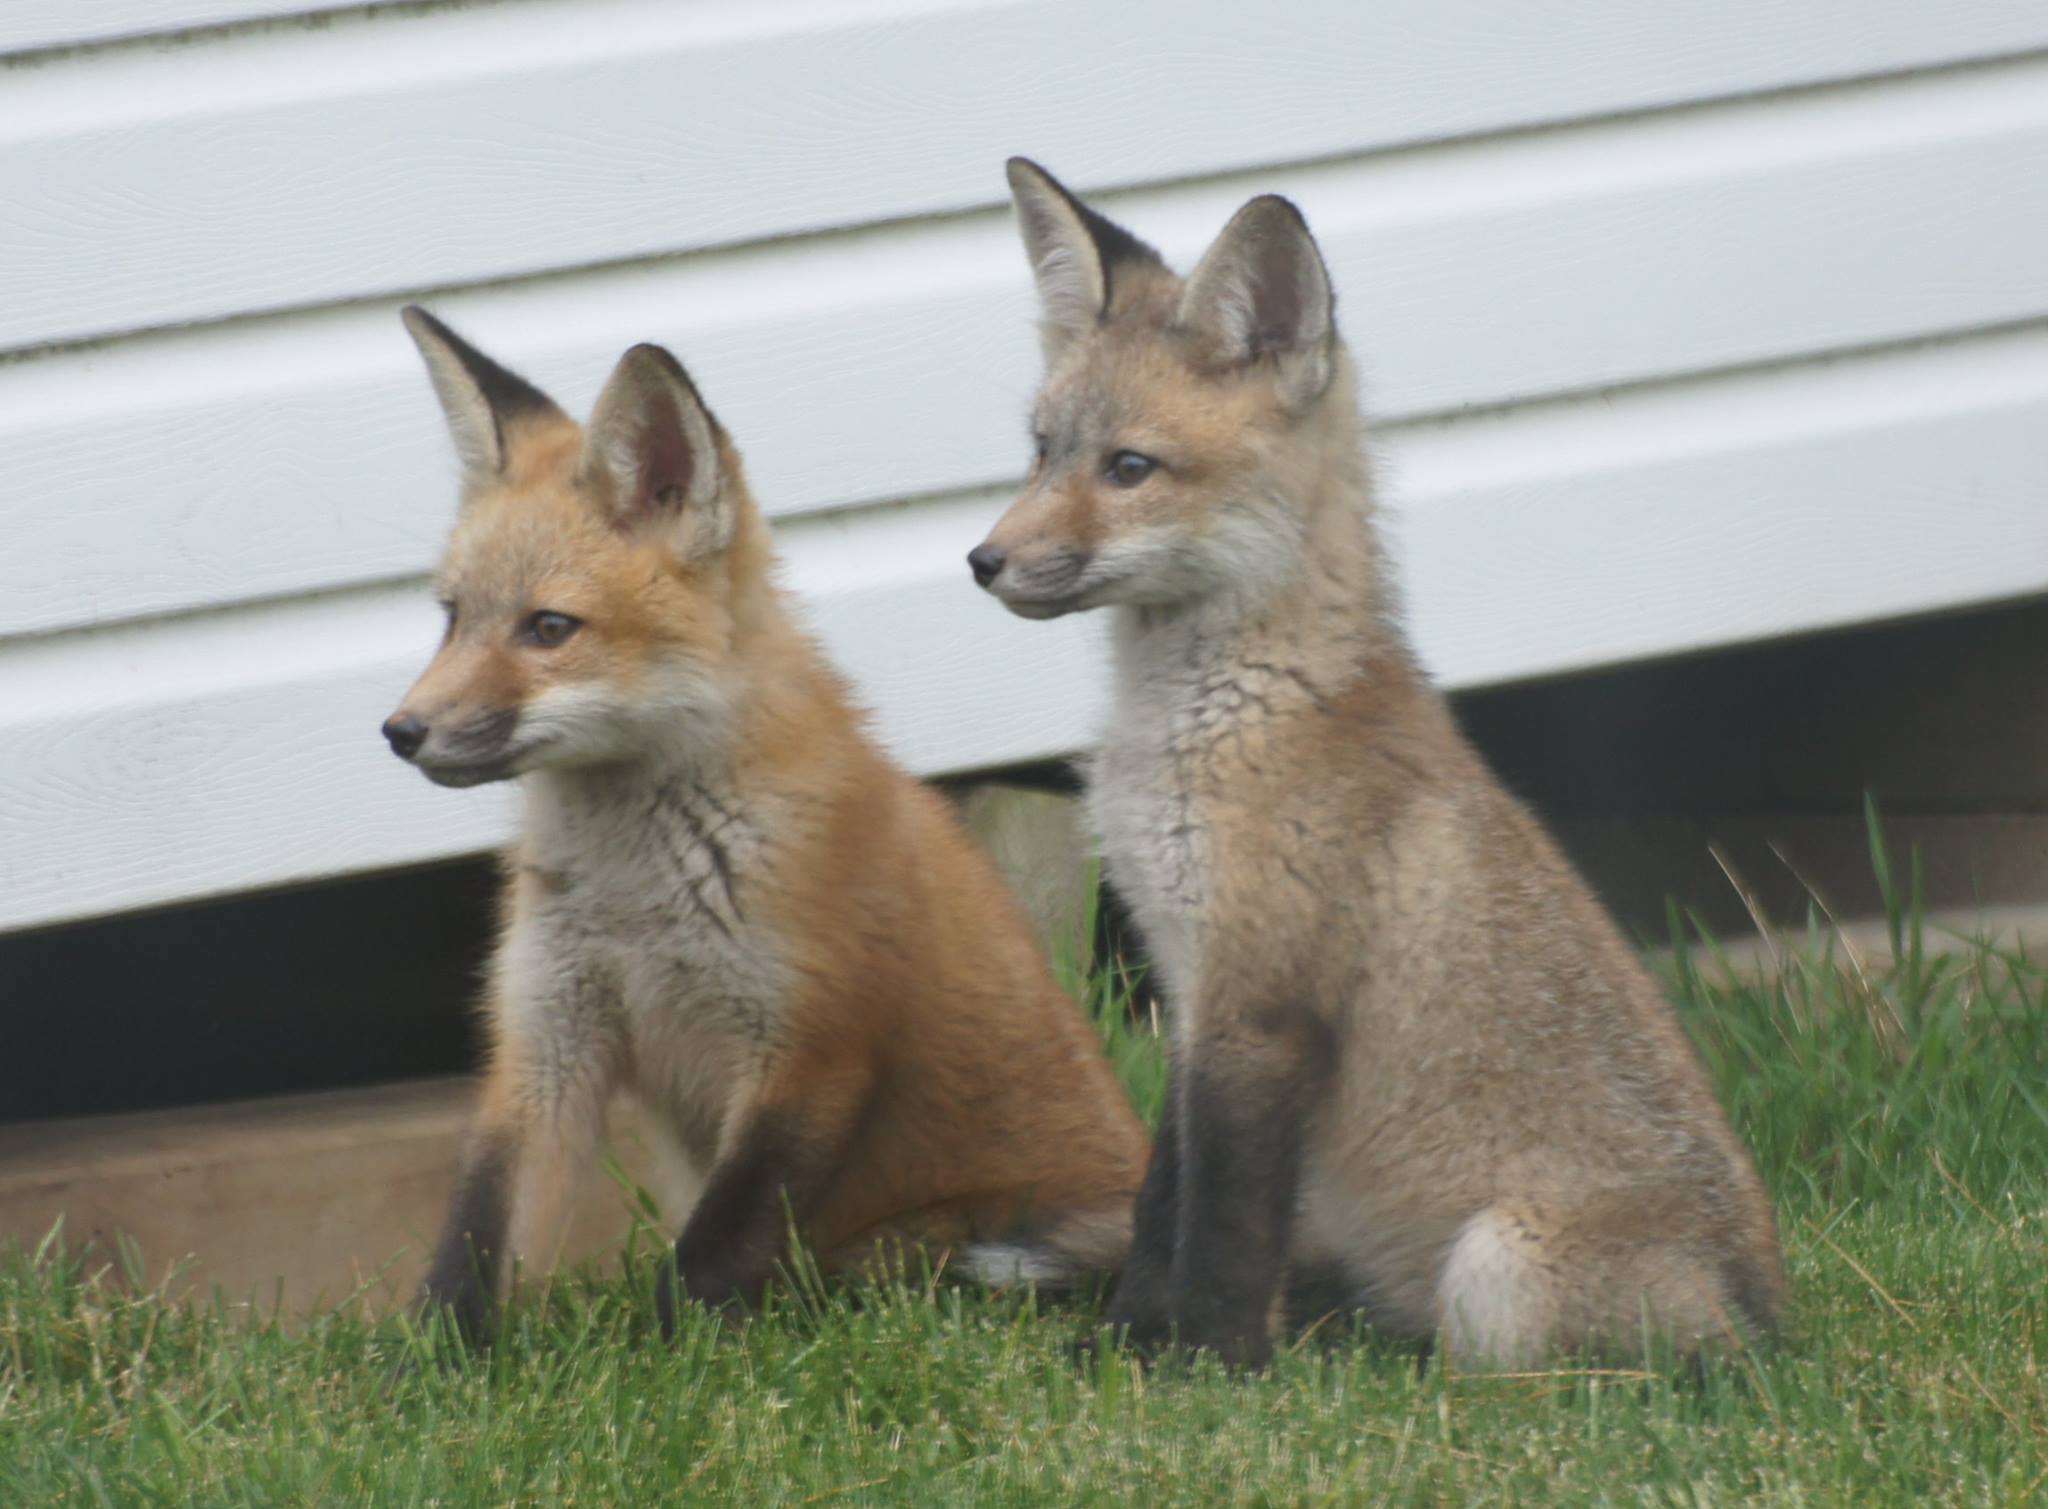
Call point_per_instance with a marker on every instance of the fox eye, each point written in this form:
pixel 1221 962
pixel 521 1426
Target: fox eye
pixel 547 629
pixel 1129 468
pixel 1040 444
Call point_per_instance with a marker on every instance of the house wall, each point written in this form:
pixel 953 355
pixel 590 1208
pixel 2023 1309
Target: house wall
pixel 1685 325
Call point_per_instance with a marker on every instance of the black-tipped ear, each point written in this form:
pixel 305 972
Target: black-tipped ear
pixel 1075 253
pixel 1262 292
pixel 650 454
pixel 481 399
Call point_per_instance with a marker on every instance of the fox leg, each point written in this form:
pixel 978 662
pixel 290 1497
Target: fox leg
pixel 1139 1305
pixel 534 1138
pixel 777 1163
pixel 462 1279
pixel 1249 1089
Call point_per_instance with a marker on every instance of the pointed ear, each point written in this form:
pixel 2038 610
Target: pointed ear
pixel 1262 291
pixel 650 454
pixel 482 400
pixel 1075 253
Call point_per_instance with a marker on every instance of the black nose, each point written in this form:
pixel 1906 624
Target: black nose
pixel 406 734
pixel 986 561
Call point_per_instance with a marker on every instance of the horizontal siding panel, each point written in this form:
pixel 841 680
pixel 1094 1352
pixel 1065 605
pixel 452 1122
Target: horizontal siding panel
pixel 278 456
pixel 31 25
pixel 1727 510
pixel 240 750
pixel 286 166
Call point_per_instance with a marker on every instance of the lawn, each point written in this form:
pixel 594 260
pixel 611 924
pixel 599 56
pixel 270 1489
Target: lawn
pixel 1900 1113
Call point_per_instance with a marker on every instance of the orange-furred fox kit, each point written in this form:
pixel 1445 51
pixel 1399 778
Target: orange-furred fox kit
pixel 724 900
pixel 1416 1070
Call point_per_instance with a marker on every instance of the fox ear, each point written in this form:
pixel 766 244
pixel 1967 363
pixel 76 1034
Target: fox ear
pixel 1075 253
pixel 484 402
pixel 650 454
pixel 1262 291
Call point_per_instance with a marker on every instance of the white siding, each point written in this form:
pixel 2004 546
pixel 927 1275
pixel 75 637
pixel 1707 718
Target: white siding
pixel 36 25
pixel 1686 325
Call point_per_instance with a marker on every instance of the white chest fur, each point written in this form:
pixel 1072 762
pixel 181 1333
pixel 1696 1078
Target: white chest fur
pixel 1155 851
pixel 1152 789
pixel 1190 731
pixel 637 950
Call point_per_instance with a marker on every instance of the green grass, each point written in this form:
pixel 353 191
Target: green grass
pixel 1900 1114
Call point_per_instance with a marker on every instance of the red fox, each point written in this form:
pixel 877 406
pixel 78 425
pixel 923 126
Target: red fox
pixel 1416 1067
pixel 725 900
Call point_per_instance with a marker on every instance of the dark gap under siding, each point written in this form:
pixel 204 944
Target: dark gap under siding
pixel 351 982
pixel 1939 715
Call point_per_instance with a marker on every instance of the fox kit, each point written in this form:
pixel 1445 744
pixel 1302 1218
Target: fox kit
pixel 725 900
pixel 1416 1068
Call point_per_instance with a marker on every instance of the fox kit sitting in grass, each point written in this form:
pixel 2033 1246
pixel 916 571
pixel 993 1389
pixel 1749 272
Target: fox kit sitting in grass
pixel 725 900
pixel 1416 1066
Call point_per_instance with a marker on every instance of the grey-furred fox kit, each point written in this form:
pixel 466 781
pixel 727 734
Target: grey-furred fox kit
pixel 1416 1068
pixel 724 899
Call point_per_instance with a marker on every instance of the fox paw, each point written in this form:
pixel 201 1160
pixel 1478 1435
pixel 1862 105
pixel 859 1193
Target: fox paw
pixel 1145 1332
pixel 1248 1351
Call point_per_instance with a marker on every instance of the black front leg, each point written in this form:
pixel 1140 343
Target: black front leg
pixel 1139 1306
pixel 462 1280
pixel 740 1228
pixel 1250 1092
